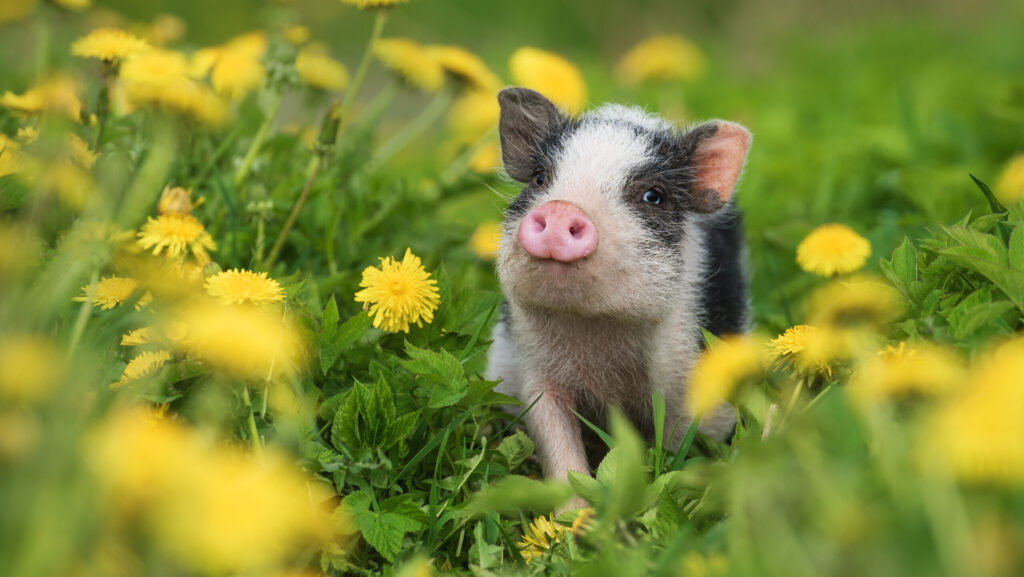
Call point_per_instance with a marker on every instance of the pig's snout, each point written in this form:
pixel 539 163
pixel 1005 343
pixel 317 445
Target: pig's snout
pixel 558 230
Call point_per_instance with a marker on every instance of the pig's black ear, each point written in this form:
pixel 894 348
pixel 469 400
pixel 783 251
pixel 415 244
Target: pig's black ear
pixel 527 118
pixel 718 150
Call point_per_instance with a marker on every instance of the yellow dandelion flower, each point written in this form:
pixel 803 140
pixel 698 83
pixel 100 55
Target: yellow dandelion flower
pixel 296 34
pixel 467 67
pixel 486 240
pixel 551 75
pixel 398 294
pixel 542 534
pixel 112 291
pixel 1009 187
pixel 485 159
pixel 473 114
pixel 176 233
pixel 174 200
pixel 583 521
pixel 413 63
pixel 244 342
pixel 238 69
pixel 919 369
pixel 30 368
pixel 861 303
pixel 58 95
pixel 144 365
pixel 160 79
pixel 795 347
pixel 11 159
pixel 173 333
pixel 201 62
pixel 79 151
pixel 662 57
pixel 20 249
pixel 371 4
pixel 721 370
pixel 833 249
pixel 108 44
pixel 977 434
pixel 317 69
pixel 244 287
pixel 696 565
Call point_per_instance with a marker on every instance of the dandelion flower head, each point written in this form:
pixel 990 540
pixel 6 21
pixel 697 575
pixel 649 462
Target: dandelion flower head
pixel 296 34
pixel 473 114
pixel 317 69
pixel 411 62
pixel 662 57
pixel 57 95
pixel 112 291
pixel 1009 188
pixel 108 44
pixel 550 74
pixel 542 534
pixel 238 69
pixel 371 4
pixel 466 66
pixel 30 367
pixel 159 78
pixel 833 249
pixel 143 365
pixel 796 346
pixel 722 368
pixel 176 233
pixel 486 240
pixel 399 293
pixel 244 287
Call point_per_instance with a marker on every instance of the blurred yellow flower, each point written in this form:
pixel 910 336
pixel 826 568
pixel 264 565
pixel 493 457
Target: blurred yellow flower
pixel 112 291
pixel 159 78
pixel 411 62
pixel 296 34
pixel 79 151
pixel 244 342
pixel 25 134
pixel 11 160
pixel 542 534
pixel 550 74
pixel 369 4
pixel 583 521
pixel 977 434
pixel 244 287
pixel 696 565
pixel 398 294
pixel 12 10
pixel 833 249
pixel 860 303
pixel 30 368
pixel 20 249
pixel 662 57
pixel 722 368
pixel 919 369
pixel 467 67
pixel 108 44
pixel 58 95
pixel 143 365
pixel 317 69
pixel 238 69
pixel 486 240
pixel 486 159
pixel 176 233
pixel 794 348
pixel 1009 187
pixel 473 114
pixel 166 29
pixel 170 333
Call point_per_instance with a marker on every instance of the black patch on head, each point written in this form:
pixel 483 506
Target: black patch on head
pixel 542 158
pixel 724 291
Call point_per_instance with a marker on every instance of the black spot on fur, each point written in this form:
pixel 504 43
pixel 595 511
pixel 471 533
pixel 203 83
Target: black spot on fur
pixel 543 158
pixel 724 292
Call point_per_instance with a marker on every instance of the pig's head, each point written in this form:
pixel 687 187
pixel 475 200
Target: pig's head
pixel 608 221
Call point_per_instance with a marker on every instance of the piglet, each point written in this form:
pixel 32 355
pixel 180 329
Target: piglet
pixel 622 244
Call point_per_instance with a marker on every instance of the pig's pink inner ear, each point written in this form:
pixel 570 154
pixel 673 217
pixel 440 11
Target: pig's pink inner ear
pixel 719 162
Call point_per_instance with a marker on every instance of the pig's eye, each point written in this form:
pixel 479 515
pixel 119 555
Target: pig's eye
pixel 540 178
pixel 652 196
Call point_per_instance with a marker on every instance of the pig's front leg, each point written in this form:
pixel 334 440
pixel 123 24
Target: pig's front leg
pixel 555 431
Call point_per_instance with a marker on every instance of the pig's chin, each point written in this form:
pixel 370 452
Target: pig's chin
pixel 588 287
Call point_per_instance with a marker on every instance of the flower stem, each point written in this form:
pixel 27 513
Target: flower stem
pixel 364 64
pixel 84 312
pixel 254 434
pixel 417 126
pixel 299 203
pixel 257 141
pixel 103 104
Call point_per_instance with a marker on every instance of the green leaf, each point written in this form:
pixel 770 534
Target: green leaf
pixel 669 511
pixel 515 449
pixel 1016 250
pixel 901 270
pixel 991 198
pixel 623 470
pixel 1006 279
pixel 406 506
pixel 345 428
pixel 586 487
pixel 440 373
pixel 384 531
pixel 401 428
pixel 333 339
pixel 516 493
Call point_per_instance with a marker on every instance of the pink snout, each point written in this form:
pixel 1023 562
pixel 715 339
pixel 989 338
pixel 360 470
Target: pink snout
pixel 558 230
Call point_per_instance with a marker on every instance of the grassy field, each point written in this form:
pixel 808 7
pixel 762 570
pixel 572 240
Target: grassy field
pixel 195 216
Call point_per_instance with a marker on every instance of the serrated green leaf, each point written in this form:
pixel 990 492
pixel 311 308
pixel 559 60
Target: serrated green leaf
pixel 515 449
pixel 669 511
pixel 901 270
pixel 334 339
pixel 406 506
pixel 384 531
pixel 345 428
pixel 401 428
pixel 1006 279
pixel 440 373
